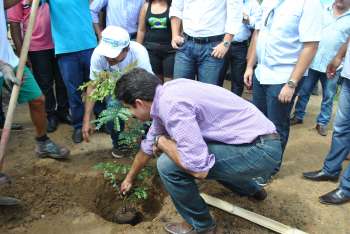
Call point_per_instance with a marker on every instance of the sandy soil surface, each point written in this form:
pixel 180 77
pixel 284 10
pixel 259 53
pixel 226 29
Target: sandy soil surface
pixel 70 197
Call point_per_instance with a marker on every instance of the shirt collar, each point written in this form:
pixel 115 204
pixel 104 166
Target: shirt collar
pixel 155 102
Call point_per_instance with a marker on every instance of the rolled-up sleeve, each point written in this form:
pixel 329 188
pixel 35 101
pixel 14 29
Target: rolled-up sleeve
pixel 234 13
pixel 15 13
pixel 256 14
pixel 95 8
pixel 310 25
pixel 156 129
pixel 176 9
pixel 182 126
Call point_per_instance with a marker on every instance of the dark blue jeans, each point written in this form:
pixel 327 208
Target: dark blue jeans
pixel 194 59
pixel 265 97
pixel 237 167
pixel 75 70
pixel 329 89
pixel 238 61
pixel 340 147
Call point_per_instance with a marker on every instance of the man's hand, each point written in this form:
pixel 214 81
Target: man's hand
pixel 248 77
pixel 177 41
pixel 332 67
pixel 126 186
pixel 8 74
pixel 219 51
pixel 286 94
pixel 87 130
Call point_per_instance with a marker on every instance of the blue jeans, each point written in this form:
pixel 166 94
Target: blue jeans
pixel 265 98
pixel 237 167
pixel 193 59
pixel 329 89
pixel 75 70
pixel 112 103
pixel 238 62
pixel 340 146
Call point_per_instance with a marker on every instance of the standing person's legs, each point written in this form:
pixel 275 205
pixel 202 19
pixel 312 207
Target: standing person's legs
pixel 185 64
pixel 259 96
pixel 209 67
pixel 306 88
pixel 238 62
pixel 168 65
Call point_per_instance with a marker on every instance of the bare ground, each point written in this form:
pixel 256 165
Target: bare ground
pixel 70 197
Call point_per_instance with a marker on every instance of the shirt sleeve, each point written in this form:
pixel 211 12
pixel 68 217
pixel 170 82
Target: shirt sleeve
pixel 182 126
pixel 15 13
pixel 310 25
pixel 95 8
pixel 255 14
pixel 176 8
pixel 156 129
pixel 234 12
pixel 143 60
pixel 96 66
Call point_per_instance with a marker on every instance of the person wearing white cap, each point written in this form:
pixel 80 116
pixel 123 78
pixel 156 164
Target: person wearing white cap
pixel 114 53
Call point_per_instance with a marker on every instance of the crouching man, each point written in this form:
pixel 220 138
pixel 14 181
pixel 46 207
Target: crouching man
pixel 202 132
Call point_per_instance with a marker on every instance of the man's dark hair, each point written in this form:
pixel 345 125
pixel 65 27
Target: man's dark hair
pixel 136 84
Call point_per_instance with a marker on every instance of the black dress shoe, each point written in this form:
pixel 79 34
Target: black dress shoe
pixel 52 124
pixel 65 118
pixel 319 176
pixel 77 136
pixel 336 197
pixel 260 195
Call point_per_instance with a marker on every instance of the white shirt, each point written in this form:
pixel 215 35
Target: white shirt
pixel 122 13
pixel 253 10
pixel 136 53
pixel 346 68
pixel 7 54
pixel 285 25
pixel 205 18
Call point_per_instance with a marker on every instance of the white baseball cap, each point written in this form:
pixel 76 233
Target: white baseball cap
pixel 114 40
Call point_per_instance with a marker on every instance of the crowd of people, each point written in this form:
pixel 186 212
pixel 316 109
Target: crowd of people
pixel 184 50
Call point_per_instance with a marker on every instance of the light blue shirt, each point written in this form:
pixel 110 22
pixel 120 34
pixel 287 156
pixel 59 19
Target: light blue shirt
pixel 346 69
pixel 122 13
pixel 335 33
pixel 253 10
pixel 71 26
pixel 285 25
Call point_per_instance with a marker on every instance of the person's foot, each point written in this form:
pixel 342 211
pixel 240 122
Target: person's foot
pixel 65 118
pixel 321 129
pixel 294 121
pixel 319 176
pixel 52 124
pixel 260 195
pixel 336 197
pixel 4 179
pixel 120 152
pixel 50 149
pixel 77 136
pixel 9 201
pixel 184 228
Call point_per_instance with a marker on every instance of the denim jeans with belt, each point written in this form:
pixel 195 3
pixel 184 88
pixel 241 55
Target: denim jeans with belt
pixel 329 89
pixel 237 167
pixel 194 59
pixel 340 147
pixel 75 70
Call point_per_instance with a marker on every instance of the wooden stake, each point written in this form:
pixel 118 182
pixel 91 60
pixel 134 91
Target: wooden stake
pixel 15 91
pixel 251 216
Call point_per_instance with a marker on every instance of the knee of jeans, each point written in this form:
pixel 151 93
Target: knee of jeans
pixel 164 165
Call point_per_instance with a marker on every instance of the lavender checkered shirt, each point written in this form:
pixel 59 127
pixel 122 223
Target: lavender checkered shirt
pixel 193 113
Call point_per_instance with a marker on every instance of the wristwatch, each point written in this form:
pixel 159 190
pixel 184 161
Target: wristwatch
pixel 227 43
pixel 292 84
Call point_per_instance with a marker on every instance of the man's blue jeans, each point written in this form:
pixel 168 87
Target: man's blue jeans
pixel 113 103
pixel 340 146
pixel 329 89
pixel 75 70
pixel 237 167
pixel 195 59
pixel 265 98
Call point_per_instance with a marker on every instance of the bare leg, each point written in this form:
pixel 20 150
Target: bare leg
pixel 38 115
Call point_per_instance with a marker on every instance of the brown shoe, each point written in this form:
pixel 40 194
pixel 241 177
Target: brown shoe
pixel 321 129
pixel 184 228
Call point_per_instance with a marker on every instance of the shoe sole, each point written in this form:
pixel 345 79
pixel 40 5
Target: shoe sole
pixel 118 156
pixel 330 203
pixel 316 180
pixel 53 156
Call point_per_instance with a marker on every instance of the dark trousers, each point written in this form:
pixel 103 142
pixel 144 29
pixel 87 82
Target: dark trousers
pixel 237 59
pixel 75 70
pixel 48 77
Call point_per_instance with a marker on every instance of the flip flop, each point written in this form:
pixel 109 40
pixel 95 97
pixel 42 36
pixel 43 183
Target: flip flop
pixel 9 201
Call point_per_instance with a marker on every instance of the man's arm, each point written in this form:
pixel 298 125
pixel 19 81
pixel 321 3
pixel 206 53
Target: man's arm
pixel 335 63
pixel 16 34
pixel 95 8
pixel 251 60
pixel 175 14
pixel 89 106
pixel 10 3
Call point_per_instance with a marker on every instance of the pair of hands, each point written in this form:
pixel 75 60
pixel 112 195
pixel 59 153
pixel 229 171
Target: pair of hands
pixel 219 51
